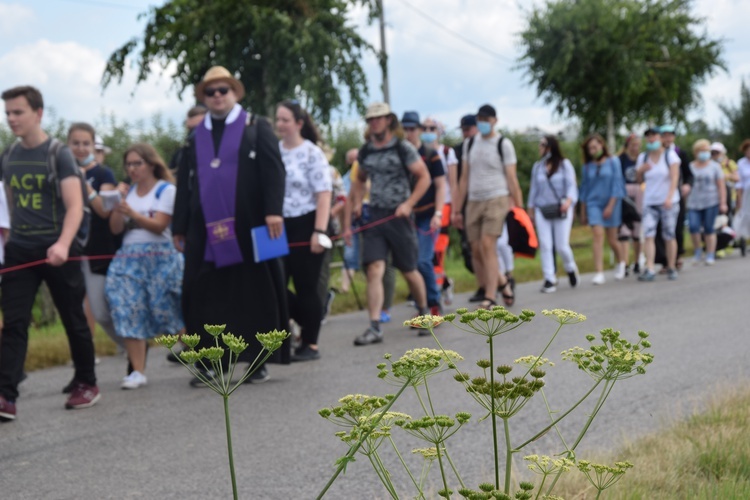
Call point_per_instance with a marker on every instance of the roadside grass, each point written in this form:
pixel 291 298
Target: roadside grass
pixel 705 456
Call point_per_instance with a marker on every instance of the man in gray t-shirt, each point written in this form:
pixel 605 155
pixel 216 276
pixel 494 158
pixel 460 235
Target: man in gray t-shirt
pixel 399 178
pixel 489 182
pixel 43 228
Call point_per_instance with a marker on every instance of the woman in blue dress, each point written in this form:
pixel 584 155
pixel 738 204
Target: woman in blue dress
pixel 602 189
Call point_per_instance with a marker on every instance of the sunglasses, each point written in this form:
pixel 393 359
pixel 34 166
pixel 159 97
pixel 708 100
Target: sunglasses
pixel 431 129
pixel 410 129
pixel 210 91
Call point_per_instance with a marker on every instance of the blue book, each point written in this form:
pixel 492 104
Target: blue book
pixel 264 248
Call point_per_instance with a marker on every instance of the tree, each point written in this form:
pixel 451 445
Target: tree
pixel 739 120
pixel 618 62
pixel 279 49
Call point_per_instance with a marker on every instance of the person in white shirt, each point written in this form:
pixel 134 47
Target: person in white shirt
pixel 659 168
pixel 144 281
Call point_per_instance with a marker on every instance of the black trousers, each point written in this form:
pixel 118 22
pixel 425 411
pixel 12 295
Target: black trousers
pixel 303 268
pixel 19 292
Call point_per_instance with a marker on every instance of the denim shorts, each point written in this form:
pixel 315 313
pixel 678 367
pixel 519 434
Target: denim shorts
pixel 652 214
pixel 704 218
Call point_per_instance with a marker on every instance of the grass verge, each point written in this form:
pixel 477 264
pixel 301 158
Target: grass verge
pixel 706 456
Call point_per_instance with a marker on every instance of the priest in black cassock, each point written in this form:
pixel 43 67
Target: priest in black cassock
pixel 230 181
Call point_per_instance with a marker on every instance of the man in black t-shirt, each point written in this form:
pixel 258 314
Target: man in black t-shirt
pixel 43 228
pixel 428 211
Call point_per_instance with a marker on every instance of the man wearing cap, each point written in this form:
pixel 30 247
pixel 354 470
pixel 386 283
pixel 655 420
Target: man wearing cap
pixel 428 212
pixel 686 184
pixel 489 184
pixel 231 180
pixel 398 180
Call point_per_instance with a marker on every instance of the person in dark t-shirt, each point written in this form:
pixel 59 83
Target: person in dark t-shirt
pixel 43 228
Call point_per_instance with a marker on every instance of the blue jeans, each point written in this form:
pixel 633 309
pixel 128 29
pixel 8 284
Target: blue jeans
pixel 426 241
pixel 702 218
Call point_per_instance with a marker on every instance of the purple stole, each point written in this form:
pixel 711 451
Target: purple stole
pixel 217 176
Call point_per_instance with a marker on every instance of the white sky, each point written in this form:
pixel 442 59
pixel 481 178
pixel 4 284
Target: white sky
pixel 61 47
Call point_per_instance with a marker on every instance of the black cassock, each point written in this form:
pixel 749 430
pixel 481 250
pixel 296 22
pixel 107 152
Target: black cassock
pixel 249 298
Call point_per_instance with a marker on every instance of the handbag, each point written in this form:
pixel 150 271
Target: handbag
pixel 554 211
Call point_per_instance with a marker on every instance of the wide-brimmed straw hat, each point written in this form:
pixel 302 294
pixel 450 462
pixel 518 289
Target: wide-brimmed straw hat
pixel 377 109
pixel 219 73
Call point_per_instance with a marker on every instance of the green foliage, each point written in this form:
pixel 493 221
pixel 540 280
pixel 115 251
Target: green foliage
pixel 739 121
pixel 343 138
pixel 279 49
pixel 641 60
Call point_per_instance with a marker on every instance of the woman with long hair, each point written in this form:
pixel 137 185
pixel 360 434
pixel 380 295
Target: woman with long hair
pixel 307 206
pixel 552 199
pixel 144 281
pixel 602 189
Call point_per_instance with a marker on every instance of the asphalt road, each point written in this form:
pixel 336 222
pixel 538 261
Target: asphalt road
pixel 167 440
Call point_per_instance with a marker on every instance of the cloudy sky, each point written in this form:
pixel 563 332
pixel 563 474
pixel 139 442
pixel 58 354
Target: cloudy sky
pixel 61 46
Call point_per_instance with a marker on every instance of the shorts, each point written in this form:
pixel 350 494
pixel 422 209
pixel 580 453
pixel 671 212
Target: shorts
pixel 397 236
pixel 595 215
pixel 655 213
pixel 704 218
pixel 486 217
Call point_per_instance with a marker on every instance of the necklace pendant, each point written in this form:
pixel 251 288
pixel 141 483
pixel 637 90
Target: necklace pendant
pixel 215 163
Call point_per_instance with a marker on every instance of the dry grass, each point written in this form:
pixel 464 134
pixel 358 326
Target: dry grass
pixel 706 456
pixel 48 346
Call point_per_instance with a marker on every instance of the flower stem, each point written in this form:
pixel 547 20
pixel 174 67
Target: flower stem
pixel 406 467
pixel 494 417
pixel 357 445
pixel 442 469
pixel 508 455
pixel 229 446
pixel 455 471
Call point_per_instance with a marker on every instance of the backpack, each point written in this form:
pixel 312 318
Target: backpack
pixel 82 236
pixel 365 151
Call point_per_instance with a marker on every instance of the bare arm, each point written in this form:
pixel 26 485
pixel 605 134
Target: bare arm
pixel 70 188
pixel 422 183
pixel 322 213
pixel 674 178
pixel 437 218
pixel 353 203
pixel 458 202
pixel 97 205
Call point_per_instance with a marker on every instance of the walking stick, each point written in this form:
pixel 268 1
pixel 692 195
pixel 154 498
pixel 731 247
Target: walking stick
pixel 351 278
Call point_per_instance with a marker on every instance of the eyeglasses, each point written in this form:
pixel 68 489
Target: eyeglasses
pixel 210 91
pixel 410 129
pixel 134 164
pixel 431 129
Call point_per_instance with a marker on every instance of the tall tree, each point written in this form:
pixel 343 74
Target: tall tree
pixel 279 49
pixel 739 119
pixel 615 62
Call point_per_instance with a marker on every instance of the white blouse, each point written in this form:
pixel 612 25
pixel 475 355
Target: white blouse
pixel 307 173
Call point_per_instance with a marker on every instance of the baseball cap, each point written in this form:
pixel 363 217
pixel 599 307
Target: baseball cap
pixel 717 146
pixel 486 111
pixel 468 120
pixel 667 129
pixel 652 130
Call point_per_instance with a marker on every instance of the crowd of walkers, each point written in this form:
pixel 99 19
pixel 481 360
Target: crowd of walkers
pixel 181 245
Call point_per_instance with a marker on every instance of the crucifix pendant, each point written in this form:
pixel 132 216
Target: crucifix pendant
pixel 215 163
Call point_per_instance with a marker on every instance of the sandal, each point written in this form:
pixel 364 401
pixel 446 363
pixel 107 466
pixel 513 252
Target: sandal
pixel 487 304
pixel 508 298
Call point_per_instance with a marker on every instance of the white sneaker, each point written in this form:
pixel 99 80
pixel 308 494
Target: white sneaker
pixel 620 271
pixel 133 381
pixel 598 279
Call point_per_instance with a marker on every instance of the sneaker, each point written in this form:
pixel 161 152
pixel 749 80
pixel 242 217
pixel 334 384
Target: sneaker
pixel 710 260
pixel 672 274
pixel 620 271
pixel 385 316
pixel 370 336
pixel 448 290
pixel 436 310
pixel 82 396
pixel 478 296
pixel 548 287
pixel 133 381
pixel 305 353
pixel 573 278
pixel 647 275
pixel 636 269
pixel 327 305
pixel 259 376
pixel 7 410
pixel 598 279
